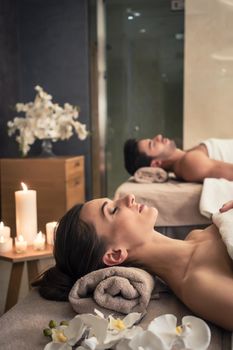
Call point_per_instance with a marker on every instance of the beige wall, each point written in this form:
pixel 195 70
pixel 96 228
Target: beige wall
pixel 208 78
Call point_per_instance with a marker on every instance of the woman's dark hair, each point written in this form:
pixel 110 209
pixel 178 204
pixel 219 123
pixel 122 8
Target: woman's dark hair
pixel 133 158
pixel 78 250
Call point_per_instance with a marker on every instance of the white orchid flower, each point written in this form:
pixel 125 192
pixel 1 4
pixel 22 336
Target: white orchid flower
pixel 118 329
pixel 144 340
pixel 104 333
pixel 65 337
pixel 193 334
pixel 81 130
pixel 95 332
pixel 20 107
pixel 45 120
pixel 118 324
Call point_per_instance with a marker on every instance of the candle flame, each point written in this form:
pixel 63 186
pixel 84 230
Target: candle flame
pixel 20 238
pixel 24 187
pixel 39 234
pixel 40 237
pixel 1 224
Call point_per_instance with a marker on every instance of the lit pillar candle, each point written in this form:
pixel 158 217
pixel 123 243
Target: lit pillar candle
pixel 5 244
pixel 20 244
pixel 39 242
pixel 26 213
pixel 5 231
pixel 50 227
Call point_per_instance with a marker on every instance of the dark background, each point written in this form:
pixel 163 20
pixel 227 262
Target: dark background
pixel 45 42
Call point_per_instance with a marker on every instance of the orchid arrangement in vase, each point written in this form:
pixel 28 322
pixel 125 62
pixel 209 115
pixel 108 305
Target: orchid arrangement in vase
pixel 95 332
pixel 45 120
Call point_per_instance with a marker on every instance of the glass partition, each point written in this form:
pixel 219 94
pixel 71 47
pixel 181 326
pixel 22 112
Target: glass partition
pixel 144 60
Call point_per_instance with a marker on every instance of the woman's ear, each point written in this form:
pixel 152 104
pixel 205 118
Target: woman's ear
pixel 115 256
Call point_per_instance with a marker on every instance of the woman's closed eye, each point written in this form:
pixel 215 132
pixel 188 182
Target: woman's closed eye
pixel 151 144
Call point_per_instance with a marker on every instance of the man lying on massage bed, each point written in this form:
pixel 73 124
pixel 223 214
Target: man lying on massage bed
pixel 103 233
pixel 211 158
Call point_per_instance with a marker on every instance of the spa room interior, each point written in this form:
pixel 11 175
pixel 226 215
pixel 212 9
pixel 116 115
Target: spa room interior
pixel 77 79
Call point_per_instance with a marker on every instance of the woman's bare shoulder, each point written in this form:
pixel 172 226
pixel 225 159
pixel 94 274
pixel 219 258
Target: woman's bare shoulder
pixel 203 234
pixel 208 293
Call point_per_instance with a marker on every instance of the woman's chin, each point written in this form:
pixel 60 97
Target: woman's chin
pixel 156 213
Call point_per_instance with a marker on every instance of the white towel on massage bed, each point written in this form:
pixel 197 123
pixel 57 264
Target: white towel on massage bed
pixel 224 222
pixel 215 192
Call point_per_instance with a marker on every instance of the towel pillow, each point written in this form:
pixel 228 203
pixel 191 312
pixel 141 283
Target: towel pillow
pixel 150 175
pixel 117 288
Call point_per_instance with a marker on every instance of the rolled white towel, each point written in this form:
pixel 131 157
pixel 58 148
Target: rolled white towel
pixel 150 175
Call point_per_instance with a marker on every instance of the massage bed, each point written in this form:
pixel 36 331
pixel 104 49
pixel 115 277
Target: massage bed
pixel 177 203
pixel 22 326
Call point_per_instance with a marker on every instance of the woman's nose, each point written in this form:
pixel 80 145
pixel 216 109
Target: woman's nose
pixel 130 200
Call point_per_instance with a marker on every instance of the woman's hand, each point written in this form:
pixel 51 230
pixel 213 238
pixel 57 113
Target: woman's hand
pixel 227 206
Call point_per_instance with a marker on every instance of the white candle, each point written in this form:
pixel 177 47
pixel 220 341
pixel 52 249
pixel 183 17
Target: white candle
pixel 20 244
pixel 5 244
pixel 26 213
pixel 50 228
pixel 39 242
pixel 5 231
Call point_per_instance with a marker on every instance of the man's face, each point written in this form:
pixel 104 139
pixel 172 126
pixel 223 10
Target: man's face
pixel 158 147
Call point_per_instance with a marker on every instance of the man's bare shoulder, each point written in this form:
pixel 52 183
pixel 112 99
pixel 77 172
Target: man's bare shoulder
pixel 201 147
pixel 193 165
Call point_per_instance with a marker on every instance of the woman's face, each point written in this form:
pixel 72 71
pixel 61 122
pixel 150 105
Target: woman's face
pixel 120 221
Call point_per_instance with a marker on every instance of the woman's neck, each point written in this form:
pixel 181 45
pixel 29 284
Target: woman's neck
pixel 166 257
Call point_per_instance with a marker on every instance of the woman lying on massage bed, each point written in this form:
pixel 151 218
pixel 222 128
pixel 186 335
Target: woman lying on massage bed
pixel 104 233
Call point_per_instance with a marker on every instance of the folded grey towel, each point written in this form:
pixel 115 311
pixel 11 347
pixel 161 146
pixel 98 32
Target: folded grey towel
pixel 150 175
pixel 117 288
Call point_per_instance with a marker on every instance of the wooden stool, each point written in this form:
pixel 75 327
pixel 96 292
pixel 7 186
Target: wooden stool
pixel 31 257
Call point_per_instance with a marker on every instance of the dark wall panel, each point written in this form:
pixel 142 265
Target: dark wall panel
pixel 51 44
pixel 9 77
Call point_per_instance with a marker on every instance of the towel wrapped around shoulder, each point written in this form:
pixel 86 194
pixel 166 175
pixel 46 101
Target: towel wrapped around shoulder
pixel 150 175
pixel 215 192
pixel 117 288
pixel 224 222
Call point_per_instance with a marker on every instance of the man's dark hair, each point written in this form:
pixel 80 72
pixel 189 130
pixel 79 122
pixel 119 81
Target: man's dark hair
pixel 133 158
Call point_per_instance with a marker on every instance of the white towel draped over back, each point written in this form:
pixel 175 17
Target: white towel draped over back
pixel 220 149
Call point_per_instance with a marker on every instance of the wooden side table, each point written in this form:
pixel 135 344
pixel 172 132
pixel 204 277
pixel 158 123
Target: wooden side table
pixel 59 182
pixel 31 257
